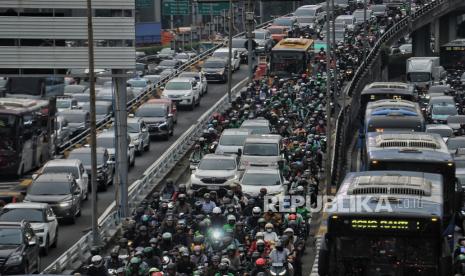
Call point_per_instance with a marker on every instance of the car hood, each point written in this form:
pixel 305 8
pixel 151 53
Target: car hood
pixel 111 151
pixel 214 173
pixel 212 70
pixel 7 249
pixel 454 126
pixel 439 117
pixel 303 25
pixel 134 135
pixel 254 190
pixel 75 125
pixel 37 225
pixel 47 198
pixel 151 120
pixel 227 149
pixel 176 92
pixel 260 42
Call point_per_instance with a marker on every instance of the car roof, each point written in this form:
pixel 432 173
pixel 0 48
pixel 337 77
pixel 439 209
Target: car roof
pixel 233 131
pixel 219 156
pixel 100 150
pixel 11 224
pixel 54 177
pixel 438 126
pixel 255 122
pixel 263 138
pixel 27 205
pixel 223 50
pixel 106 134
pixel 62 162
pixel 215 59
pixel 73 111
pixel 181 79
pixel 261 169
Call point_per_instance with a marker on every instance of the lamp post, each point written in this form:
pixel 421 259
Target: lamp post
pixel 230 34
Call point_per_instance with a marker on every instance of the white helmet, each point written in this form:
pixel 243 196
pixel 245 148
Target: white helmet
pixel 217 210
pixel 256 210
pixel 97 260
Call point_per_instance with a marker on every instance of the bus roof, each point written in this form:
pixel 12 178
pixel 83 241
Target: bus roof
pixel 17 106
pixel 406 146
pixel 386 87
pixel 423 189
pixel 297 44
pixel 388 103
pixel 457 42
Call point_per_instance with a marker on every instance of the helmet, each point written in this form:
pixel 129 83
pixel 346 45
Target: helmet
pixel 269 225
pixel 263 191
pixel 167 236
pixel 231 217
pixel 153 240
pixel 143 228
pixel 289 230
pixel 259 235
pixel 215 258
pixel 223 266
pixel 256 210
pixel 260 242
pixel 97 260
pixel 217 210
pixel 171 266
pixel 261 220
pixel 135 260
pixel 260 262
pixel 182 187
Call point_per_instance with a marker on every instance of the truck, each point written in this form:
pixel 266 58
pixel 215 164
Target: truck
pixel 423 72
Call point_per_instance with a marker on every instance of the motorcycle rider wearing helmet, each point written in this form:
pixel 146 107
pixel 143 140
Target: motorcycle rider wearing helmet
pixel 260 267
pixel 142 240
pixel 150 258
pixel 136 267
pixel 114 262
pixel 97 268
pixel 252 221
pixel 182 206
pixel 168 225
pixel 259 238
pixel 198 258
pixel 269 234
pixel 235 263
pixel 223 270
pixel 213 268
pixel 155 247
pixel 217 218
pixel 274 218
pixel 169 189
pixel 184 265
pixel 167 242
pixel 279 255
pixel 170 270
pixel 207 205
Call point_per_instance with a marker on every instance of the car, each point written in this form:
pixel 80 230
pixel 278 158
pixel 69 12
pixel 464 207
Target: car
pixel 348 20
pixel 223 53
pixel 183 57
pixel 168 72
pixel 231 140
pixel 62 133
pixel 74 89
pixel 438 99
pixel 60 191
pixel 256 178
pixel 360 16
pixel 78 120
pixel 152 79
pixel 278 33
pixel 41 218
pixel 311 11
pixel 102 109
pixel 107 140
pixel 66 103
pixel 109 96
pixel 239 44
pixel 139 134
pixel 445 131
pixel 439 90
pixel 157 118
pixel 440 112
pixel 263 39
pixel 171 105
pixel 19 249
pixel 406 49
pixel 379 10
pixel 72 166
pixel 166 53
pixel 459 160
pixel 455 143
pixel 257 126
pixel 215 70
pixel 148 59
pixel 81 98
pixel 457 123
pixel 199 78
pixel 138 85
pixel 288 21
pixel 305 22
pixel 261 149
pixel 183 91
pixel 168 64
pixel 105 168
pixel 215 172
pixel 462 78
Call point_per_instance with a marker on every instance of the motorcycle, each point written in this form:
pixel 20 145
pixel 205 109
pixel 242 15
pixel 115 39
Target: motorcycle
pixel 278 269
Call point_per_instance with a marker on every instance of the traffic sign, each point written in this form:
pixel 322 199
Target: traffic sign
pixel 176 7
pixel 212 8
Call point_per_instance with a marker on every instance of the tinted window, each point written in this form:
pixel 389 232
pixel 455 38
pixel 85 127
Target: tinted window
pixel 52 169
pixel 10 236
pixel 168 63
pixel 213 64
pixel 156 111
pixel 106 142
pixel 178 86
pixel 260 179
pixel 217 164
pixel 257 149
pixel 232 140
pixel 305 12
pixel 19 214
pixel 75 118
pixel 49 188
pixel 85 157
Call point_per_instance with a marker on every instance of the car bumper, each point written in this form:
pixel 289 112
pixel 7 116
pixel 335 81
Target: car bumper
pixel 155 131
pixel 210 184
pixel 182 100
pixel 63 212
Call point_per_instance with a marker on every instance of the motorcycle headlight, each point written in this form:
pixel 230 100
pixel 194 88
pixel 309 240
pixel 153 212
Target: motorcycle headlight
pixel 14 260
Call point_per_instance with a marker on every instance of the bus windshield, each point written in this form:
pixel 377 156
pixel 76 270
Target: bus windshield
pixel 8 125
pixel 286 63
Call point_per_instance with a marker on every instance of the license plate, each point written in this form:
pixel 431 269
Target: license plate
pixel 277 264
pixel 213 187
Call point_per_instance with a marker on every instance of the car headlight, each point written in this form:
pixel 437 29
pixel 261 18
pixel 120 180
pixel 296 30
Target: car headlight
pixel 188 94
pixel 66 203
pixel 221 72
pixel 14 260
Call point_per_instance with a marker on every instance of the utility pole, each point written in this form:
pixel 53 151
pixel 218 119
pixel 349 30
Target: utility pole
pixel 261 11
pixel 230 35
pixel 365 25
pixel 328 108
pixel 249 18
pixel 93 126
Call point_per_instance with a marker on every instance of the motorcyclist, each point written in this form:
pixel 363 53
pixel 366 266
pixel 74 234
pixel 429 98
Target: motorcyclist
pixel 142 240
pixel 217 218
pixel 213 266
pixel 97 268
pixel 136 267
pixel 199 258
pixel 151 259
pixel 223 270
pixel 155 247
pixel 184 265
pixel 269 234
pixel 197 154
pixel 114 262
pixel 260 267
pixel 230 225
pixel 167 242
pixel 279 254
pixel 207 205
pixel 252 221
pixel 169 189
pixel 182 206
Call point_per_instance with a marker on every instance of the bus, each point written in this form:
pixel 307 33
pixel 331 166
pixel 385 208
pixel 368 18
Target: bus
pixel 26 128
pixel 292 56
pixel 34 87
pixel 393 115
pixel 403 238
pixel 452 55
pixel 414 151
pixel 387 90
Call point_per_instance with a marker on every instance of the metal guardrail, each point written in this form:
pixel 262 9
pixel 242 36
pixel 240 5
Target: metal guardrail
pixel 347 118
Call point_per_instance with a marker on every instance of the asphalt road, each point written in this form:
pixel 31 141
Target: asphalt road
pixel 69 234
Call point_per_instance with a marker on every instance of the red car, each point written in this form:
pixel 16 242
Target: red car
pixel 172 105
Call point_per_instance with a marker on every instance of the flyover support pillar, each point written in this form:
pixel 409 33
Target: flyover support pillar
pixel 445 30
pixel 421 39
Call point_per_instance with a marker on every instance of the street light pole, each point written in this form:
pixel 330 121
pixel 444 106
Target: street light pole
pixel 93 127
pixel 365 28
pixel 328 107
pixel 249 26
pixel 230 34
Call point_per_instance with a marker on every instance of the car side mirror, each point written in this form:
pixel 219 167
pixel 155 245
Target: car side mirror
pixel 32 241
pixel 131 146
pixel 162 87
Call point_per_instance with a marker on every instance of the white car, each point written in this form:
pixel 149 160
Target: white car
pixel 138 85
pixel 41 217
pixel 72 166
pixel 107 140
pixel 139 134
pixel 183 91
pixel 66 103
pixel 223 53
pixel 255 178
pixel 231 140
pixel 214 172
pixel 199 78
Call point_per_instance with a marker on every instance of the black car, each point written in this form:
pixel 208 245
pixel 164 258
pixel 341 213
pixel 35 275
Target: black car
pixel 215 70
pixel 19 249
pixel 78 120
pixel 105 169
pixel 60 191
pixel 157 118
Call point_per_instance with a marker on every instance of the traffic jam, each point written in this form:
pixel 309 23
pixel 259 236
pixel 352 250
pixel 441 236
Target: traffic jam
pixel 226 218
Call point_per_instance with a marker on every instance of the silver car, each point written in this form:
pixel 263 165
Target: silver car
pixel 215 172
pixel 139 134
pixel 232 140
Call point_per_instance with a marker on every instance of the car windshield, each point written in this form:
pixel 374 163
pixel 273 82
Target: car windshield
pixel 456 120
pixel 259 35
pixel 152 111
pixel 378 8
pixel 82 97
pixel 443 132
pixel 282 22
pixel 305 12
pixel 72 89
pixel 190 75
pixel 232 140
pixel 65 169
pixel 49 188
pixel 344 2
pixel 181 85
pixel 359 15
pixel 276 30
pixel 166 51
pixel 460 164
pixel 133 127
pixel 261 149
pixel 213 64
pixel 138 83
pixel 63 104
pixel 74 118
pixel 85 157
pixel 261 179
pixel 99 108
pixel 106 142
pixel 454 144
pixel 257 129
pixel 220 54
pixel 238 43
pixel 19 214
pixel 444 110
pixel 168 62
pixel 306 19
pixel 217 164
pixel 11 236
